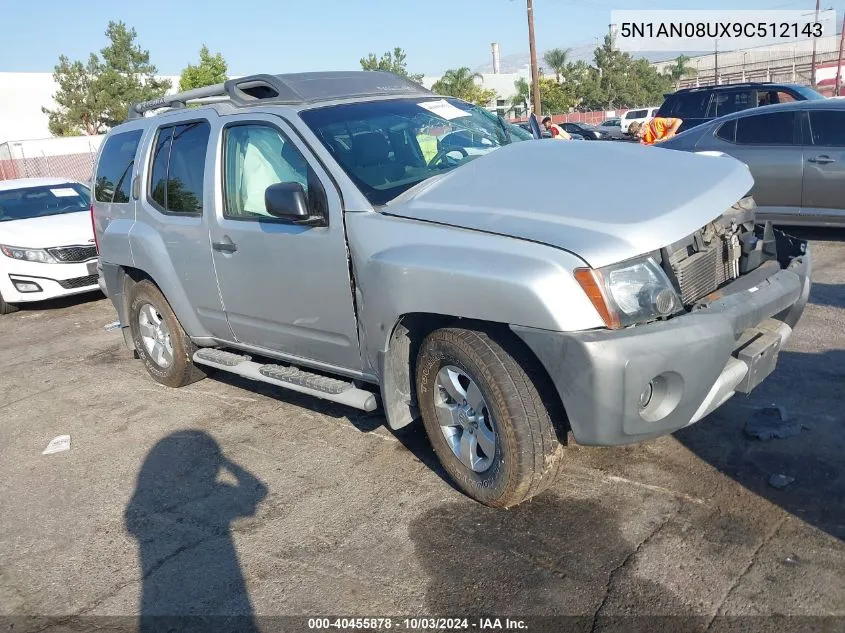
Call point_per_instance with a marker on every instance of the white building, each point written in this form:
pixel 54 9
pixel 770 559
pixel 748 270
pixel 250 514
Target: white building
pixel 501 83
pixel 22 95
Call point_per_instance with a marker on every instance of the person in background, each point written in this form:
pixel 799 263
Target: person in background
pixel 555 130
pixel 655 131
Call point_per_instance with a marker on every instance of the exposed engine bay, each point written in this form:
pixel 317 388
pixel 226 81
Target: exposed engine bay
pixel 724 250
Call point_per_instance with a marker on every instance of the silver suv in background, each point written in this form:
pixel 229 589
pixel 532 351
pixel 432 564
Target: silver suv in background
pixel 355 237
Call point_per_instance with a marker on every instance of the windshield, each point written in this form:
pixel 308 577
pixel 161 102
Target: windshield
pixel 387 147
pixel 36 202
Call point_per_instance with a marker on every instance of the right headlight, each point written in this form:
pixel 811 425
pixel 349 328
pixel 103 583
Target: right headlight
pixel 27 254
pixel 631 292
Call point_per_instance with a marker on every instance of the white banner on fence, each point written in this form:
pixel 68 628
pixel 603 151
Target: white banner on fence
pixel 693 30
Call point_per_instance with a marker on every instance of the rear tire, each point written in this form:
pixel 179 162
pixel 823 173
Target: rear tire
pixel 451 363
pixel 7 308
pixel 160 342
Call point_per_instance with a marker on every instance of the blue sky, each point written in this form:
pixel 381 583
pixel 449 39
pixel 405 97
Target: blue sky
pixel 290 36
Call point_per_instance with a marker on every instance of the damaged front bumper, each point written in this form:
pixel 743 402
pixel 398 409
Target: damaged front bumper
pixel 625 386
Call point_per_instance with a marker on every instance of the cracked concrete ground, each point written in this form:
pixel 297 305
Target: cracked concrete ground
pixel 321 510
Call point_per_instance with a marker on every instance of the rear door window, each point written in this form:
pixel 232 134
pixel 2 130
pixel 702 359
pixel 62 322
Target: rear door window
pixel 176 182
pixel 731 101
pixel 636 114
pixel 772 97
pixel 686 105
pixel 773 128
pixel 113 180
pixel 828 127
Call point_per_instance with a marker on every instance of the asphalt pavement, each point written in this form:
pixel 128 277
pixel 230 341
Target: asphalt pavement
pixel 232 498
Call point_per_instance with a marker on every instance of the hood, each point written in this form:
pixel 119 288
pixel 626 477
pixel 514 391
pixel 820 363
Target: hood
pixel 605 202
pixel 66 229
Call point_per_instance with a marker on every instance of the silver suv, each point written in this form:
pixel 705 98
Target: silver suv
pixel 357 238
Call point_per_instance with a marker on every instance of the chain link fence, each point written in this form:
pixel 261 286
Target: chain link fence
pixel 49 158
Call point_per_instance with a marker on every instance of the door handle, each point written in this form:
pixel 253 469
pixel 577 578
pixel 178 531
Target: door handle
pixel 821 160
pixel 225 247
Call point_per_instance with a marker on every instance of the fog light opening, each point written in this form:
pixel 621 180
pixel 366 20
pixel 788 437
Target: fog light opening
pixel 26 286
pixel 661 396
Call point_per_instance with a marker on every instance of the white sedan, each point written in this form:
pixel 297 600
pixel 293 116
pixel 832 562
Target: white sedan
pixel 47 246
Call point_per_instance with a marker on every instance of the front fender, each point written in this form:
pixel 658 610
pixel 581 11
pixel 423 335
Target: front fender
pixel 404 267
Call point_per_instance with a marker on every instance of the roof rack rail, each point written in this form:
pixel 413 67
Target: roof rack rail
pixel 294 88
pixel 240 91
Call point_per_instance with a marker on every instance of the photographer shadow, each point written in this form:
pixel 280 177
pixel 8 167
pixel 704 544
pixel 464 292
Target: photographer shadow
pixel 180 515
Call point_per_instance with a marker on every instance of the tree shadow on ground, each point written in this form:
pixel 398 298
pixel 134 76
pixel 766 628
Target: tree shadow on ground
pixel 180 514
pixel 810 389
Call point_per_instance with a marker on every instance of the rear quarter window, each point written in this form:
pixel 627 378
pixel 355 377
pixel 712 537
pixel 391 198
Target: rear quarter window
pixel 727 131
pixel 113 180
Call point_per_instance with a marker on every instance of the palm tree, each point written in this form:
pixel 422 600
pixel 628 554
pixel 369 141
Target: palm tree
pixel 458 82
pixel 557 59
pixel 522 94
pixel 679 70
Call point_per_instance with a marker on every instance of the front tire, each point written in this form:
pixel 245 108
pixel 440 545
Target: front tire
pixel 160 342
pixel 485 416
pixel 7 308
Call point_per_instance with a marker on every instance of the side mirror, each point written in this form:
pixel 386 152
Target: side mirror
pixel 286 200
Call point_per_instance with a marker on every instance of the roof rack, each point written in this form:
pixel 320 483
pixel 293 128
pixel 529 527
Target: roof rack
pixel 727 86
pixel 288 89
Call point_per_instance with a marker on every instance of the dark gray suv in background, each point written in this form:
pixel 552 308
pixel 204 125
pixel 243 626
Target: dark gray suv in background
pixel 699 105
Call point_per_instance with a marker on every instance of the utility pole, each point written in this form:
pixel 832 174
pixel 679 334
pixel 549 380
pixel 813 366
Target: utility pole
pixel 716 72
pixel 839 64
pixel 813 63
pixel 535 75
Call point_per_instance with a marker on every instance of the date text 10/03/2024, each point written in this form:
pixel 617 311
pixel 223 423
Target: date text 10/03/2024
pixel 417 624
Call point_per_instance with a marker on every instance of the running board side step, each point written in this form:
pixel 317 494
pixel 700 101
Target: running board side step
pixel 289 377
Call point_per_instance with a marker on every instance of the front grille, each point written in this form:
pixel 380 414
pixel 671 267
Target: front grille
pixel 72 254
pixel 702 267
pixel 697 274
pixel 78 282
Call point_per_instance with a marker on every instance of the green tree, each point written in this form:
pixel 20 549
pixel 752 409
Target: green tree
pixel 554 97
pixel 680 70
pixel 392 63
pixel 557 59
pixel 210 70
pixel 582 83
pixel 522 94
pixel 460 83
pixel 96 96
